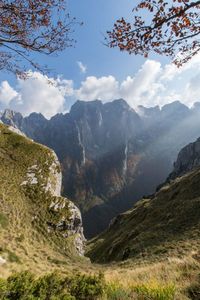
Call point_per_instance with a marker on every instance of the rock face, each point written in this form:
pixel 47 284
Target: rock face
pixel 188 160
pixel 108 152
pixel 70 224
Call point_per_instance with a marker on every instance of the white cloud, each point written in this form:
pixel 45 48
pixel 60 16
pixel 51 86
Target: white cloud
pixel 83 68
pixel 151 85
pixel 143 86
pixel 37 93
pixel 103 88
pixel 7 93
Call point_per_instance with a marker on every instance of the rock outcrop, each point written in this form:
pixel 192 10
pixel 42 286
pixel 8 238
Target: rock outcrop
pixel 188 160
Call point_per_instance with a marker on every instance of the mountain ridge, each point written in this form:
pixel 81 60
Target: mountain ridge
pixel 108 152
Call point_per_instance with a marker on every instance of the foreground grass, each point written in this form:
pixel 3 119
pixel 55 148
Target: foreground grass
pixel 172 279
pixel 25 286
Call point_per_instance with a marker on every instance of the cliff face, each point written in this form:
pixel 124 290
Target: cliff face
pixel 188 159
pixel 110 155
pixel 36 222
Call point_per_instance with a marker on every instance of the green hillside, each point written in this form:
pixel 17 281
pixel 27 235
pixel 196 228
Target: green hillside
pixel 156 244
pixel 167 224
pixel 31 209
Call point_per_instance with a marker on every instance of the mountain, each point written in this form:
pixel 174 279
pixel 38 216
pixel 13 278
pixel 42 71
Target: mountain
pixel 108 152
pixel 188 160
pixel 166 224
pixel 37 225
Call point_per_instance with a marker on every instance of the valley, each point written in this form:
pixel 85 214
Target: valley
pixel 150 250
pixel 110 155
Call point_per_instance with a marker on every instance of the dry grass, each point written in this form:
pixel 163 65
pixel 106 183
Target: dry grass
pixel 173 273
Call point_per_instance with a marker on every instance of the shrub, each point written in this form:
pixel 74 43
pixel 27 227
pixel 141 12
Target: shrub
pixel 2 288
pixel 50 286
pixel 87 287
pixel 19 286
pixel 24 286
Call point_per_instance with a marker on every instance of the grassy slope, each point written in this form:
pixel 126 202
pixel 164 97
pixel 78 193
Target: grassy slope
pixel 25 241
pixel 166 225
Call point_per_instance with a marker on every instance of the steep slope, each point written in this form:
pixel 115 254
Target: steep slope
pixel 37 225
pixel 166 224
pixel 188 160
pixel 108 152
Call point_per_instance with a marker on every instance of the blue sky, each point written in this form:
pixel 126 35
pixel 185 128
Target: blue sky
pixel 98 17
pixel 92 70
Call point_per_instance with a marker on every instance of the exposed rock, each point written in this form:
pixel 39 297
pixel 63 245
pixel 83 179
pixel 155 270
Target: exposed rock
pixel 16 130
pixel 70 224
pixel 188 159
pixel 2 261
pixel 55 179
pixel 12 118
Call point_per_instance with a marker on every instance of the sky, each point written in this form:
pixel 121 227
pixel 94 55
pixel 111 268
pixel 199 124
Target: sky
pixel 93 71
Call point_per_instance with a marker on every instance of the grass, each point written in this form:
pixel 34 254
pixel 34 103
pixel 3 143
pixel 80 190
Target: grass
pixel 3 221
pixel 166 224
pixel 167 280
pixel 155 245
pixel 25 208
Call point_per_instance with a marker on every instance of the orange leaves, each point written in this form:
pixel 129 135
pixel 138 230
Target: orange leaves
pixel 32 26
pixel 171 29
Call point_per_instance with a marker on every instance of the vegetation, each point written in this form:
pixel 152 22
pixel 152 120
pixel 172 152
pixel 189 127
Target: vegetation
pixel 160 266
pixel 32 26
pixel 141 283
pixel 166 224
pixel 171 28
pixel 25 286
pixel 26 238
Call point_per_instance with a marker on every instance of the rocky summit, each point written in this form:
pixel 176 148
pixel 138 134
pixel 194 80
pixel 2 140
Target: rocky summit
pixel 110 154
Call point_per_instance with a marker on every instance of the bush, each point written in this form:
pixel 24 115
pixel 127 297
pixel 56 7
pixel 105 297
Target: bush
pixel 19 286
pixel 24 286
pixel 84 287
pixel 50 286
pixel 2 288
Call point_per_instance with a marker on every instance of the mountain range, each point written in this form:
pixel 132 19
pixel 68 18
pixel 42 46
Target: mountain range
pixel 110 154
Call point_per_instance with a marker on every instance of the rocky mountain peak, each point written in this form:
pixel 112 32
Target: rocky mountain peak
pixel 12 118
pixel 148 112
pixel 176 109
